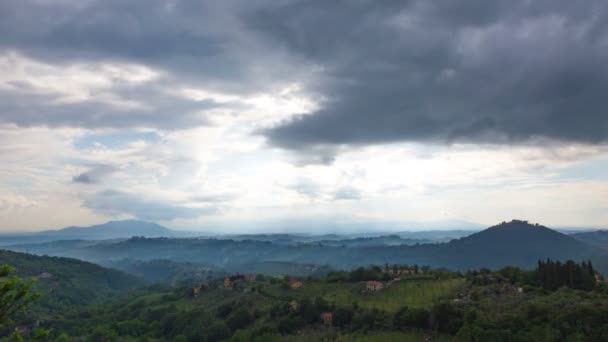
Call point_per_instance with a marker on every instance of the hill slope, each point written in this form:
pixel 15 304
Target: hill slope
pixel 598 238
pixel 516 243
pixel 67 284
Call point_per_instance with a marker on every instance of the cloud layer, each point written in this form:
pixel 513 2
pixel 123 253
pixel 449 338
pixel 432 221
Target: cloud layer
pixel 203 114
pixel 456 71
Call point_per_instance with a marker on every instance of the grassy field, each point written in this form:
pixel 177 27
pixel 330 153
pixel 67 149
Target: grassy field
pixel 389 337
pixel 411 293
pixel 369 337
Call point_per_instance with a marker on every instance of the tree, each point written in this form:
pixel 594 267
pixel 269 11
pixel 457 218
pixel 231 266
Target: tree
pixel 15 294
pixel 447 318
pixel 180 338
pixel 224 310
pixel 102 334
pixel 63 338
pixel 240 319
pixel 411 318
pixel 290 324
pixel 218 331
pixel 343 316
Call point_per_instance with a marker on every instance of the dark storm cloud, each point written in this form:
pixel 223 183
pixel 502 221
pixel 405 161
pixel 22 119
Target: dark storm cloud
pixel 441 71
pixel 190 43
pixel 111 202
pixel 143 30
pixel 157 110
pixel 445 71
pixel 199 41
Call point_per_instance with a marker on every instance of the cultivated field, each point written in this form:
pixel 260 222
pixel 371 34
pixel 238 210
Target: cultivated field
pixel 410 293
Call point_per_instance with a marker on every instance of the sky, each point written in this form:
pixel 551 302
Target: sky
pixel 250 116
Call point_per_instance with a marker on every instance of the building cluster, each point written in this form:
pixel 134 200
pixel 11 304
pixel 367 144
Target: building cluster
pixel 230 281
pixel 403 270
pixel 196 291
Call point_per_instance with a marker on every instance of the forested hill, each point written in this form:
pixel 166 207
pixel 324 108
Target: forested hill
pixel 66 283
pixel 598 238
pixel 516 243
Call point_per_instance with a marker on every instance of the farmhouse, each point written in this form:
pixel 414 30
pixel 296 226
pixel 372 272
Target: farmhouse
pixel 196 291
pixel 295 284
pixel 327 318
pixel 293 306
pixel 374 286
pixel 230 281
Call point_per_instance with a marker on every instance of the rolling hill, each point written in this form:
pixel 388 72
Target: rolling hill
pixel 516 243
pixel 68 284
pixel 597 238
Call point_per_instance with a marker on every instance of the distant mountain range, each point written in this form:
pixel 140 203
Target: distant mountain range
pixel 516 243
pixel 597 237
pixel 129 228
pixel 111 230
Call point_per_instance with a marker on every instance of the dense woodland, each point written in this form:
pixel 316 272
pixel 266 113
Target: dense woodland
pixel 555 301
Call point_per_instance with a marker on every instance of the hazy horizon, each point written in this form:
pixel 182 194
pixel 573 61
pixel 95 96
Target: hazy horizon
pixel 322 228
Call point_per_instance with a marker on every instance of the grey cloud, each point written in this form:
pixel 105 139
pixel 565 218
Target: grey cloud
pixel 445 71
pixel 309 188
pixel 306 187
pixel 505 71
pixel 191 42
pixel 347 193
pixel 160 111
pixel 199 41
pixel 113 203
pixel 94 175
pixel 145 30
pixel 213 198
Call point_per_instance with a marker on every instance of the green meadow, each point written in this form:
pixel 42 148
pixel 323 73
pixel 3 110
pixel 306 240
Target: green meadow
pixel 410 293
pixel 413 294
pixel 391 337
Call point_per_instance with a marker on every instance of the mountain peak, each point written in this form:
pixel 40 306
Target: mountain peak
pixel 518 224
pixel 517 242
pixel 115 229
pixel 521 231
